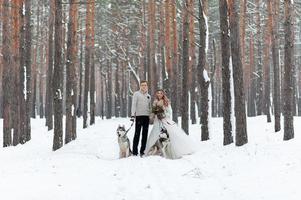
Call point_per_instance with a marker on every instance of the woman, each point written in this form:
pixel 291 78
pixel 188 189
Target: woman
pixel 180 143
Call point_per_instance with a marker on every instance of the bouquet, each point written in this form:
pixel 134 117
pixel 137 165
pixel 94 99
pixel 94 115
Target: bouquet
pixel 159 111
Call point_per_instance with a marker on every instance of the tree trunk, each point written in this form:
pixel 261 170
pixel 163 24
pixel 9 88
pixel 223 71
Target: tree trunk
pixel 203 83
pixel 81 74
pixel 71 89
pixel 175 58
pixel 16 71
pixel 152 69
pixel 225 46
pixel 259 70
pixel 28 68
pixel 275 56
pixel 240 109
pixel 92 63
pixel 58 78
pixel 167 54
pixel 252 77
pixel 192 66
pixel 288 93
pixel 7 61
pixel 185 42
pixel 22 75
pixel 49 94
pixel 87 62
pixel 266 64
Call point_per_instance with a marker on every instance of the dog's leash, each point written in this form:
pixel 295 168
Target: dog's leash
pixel 129 128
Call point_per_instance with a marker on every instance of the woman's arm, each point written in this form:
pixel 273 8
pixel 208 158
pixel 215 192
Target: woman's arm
pixel 168 111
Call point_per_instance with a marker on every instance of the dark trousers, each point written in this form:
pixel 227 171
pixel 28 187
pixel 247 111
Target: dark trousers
pixel 141 122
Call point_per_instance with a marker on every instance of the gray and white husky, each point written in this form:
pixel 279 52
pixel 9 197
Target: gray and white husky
pixel 124 142
pixel 162 145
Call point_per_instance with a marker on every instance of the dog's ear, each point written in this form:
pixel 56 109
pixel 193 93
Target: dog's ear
pixel 123 126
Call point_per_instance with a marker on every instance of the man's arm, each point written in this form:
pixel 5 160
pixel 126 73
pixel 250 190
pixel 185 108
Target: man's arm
pixel 134 105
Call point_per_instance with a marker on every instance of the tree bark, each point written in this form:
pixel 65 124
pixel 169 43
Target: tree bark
pixel 240 112
pixel 288 93
pixel 259 70
pixel 87 62
pixel 58 78
pixel 28 68
pixel 175 58
pixel 203 83
pixel 185 54
pixel 71 89
pixel 92 64
pixel 273 14
pixel 49 94
pixel 7 61
pixel 225 46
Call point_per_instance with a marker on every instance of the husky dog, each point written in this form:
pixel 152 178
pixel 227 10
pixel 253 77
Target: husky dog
pixel 162 145
pixel 124 142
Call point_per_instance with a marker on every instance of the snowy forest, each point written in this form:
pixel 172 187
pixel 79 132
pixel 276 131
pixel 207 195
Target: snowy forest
pixel 85 59
pixel 231 68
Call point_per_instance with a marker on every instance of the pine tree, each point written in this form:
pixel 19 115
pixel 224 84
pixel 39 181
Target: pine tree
pixel 225 45
pixel 288 93
pixel 240 113
pixel 58 78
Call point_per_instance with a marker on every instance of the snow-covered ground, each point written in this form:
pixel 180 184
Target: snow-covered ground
pixel 89 168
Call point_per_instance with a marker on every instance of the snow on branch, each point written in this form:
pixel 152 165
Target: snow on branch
pixel 205 75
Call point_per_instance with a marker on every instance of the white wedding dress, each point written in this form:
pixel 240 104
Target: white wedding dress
pixel 180 143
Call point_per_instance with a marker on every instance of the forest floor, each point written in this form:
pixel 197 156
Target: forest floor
pixel 89 169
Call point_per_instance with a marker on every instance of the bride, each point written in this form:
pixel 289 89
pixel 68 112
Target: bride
pixel 180 143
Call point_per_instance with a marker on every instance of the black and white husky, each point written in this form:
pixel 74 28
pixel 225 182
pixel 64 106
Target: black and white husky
pixel 162 145
pixel 124 142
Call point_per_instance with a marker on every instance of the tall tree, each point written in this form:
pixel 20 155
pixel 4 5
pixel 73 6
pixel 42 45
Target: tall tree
pixel 87 63
pixel 259 70
pixel 266 65
pixel 79 108
pixel 240 109
pixel 152 71
pixel 92 64
pixel 185 64
pixel 192 65
pixel 49 94
pixel 175 58
pixel 7 61
pixel 22 75
pixel 203 78
pixel 273 15
pixel 16 70
pixel 252 78
pixel 58 78
pixel 27 56
pixel 71 89
pixel 225 45
pixel 288 93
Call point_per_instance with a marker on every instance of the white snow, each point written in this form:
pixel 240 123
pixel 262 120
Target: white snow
pixel 205 75
pixel 25 86
pixel 207 32
pixel 89 168
pixel 232 97
pixel 72 110
pixel 59 94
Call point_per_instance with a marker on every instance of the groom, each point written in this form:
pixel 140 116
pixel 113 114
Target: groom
pixel 140 111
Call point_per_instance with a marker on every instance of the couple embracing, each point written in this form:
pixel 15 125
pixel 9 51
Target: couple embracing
pixel 159 111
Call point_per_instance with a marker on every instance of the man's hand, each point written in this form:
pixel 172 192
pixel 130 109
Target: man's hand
pixel 132 118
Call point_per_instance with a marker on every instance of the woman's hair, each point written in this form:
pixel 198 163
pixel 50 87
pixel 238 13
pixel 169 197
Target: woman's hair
pixel 164 98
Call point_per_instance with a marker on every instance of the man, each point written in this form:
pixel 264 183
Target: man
pixel 140 111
